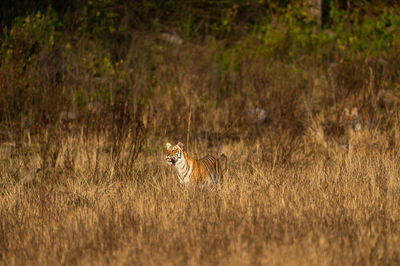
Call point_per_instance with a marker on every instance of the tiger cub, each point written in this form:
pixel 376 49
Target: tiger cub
pixel 204 171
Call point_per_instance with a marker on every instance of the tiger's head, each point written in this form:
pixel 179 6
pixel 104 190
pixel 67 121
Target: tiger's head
pixel 174 153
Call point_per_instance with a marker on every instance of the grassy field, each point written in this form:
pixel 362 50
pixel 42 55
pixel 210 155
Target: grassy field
pixel 91 92
pixel 317 205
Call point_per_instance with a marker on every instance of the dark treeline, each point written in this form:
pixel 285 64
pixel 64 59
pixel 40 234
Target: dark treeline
pixel 143 13
pixel 61 58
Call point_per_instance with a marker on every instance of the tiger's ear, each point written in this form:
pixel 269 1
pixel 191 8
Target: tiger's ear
pixel 168 145
pixel 180 145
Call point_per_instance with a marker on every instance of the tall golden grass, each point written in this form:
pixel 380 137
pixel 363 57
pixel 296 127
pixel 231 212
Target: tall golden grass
pixel 317 205
pixel 83 178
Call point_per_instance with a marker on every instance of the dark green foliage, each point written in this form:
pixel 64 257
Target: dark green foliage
pixel 61 56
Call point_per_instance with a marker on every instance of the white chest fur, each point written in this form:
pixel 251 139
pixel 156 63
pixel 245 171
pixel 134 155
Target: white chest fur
pixel 184 170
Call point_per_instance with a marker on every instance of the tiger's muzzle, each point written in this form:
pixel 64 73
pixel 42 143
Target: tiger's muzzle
pixel 172 159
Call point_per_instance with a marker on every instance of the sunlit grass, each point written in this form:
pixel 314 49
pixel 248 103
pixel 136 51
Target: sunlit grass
pixel 334 207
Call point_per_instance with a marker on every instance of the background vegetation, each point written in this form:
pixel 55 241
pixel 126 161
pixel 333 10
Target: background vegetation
pixel 90 91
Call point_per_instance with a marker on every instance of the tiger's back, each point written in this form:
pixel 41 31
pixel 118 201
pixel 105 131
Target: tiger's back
pixel 206 169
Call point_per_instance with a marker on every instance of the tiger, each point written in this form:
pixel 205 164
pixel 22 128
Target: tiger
pixel 204 171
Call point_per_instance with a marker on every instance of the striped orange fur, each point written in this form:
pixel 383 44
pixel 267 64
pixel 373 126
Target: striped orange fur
pixel 206 170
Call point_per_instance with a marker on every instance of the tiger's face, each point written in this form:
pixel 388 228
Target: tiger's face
pixel 174 153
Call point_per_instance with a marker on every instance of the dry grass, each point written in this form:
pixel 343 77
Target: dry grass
pixel 294 194
pixel 319 205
